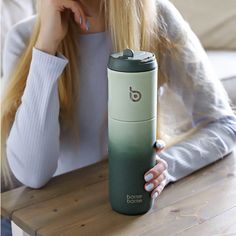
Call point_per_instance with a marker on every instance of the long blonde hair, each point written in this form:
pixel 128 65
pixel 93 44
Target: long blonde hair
pixel 131 23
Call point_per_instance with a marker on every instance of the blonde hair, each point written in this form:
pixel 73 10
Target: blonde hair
pixel 131 23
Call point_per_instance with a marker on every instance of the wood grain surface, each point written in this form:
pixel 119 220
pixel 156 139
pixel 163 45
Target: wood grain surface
pixel 77 203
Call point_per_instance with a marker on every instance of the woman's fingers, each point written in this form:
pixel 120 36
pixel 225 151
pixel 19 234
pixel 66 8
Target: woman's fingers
pixel 77 10
pixel 157 170
pixel 159 145
pixel 154 183
pixel 159 160
pixel 54 22
pixel 156 178
pixel 157 191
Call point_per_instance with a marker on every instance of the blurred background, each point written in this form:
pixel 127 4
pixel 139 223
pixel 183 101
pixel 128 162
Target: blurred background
pixel 214 22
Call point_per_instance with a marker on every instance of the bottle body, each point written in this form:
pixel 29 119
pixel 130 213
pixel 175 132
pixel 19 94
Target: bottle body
pixel 132 105
pixel 130 155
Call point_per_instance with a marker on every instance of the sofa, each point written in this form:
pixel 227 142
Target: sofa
pixel 214 22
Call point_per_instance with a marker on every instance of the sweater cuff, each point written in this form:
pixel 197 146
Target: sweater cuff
pixel 50 64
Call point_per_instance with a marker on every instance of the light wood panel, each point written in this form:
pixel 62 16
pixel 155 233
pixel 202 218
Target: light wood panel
pixel 22 197
pixel 70 207
pixel 221 225
pixel 167 221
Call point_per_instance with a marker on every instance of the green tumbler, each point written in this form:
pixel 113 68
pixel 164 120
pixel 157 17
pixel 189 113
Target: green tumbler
pixel 132 108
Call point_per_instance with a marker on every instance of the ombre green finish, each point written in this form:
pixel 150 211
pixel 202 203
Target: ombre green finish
pixel 131 154
pixel 132 108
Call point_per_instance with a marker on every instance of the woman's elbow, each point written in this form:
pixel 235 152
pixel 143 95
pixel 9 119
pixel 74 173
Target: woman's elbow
pixel 29 178
pixel 32 176
pixel 32 168
pixel 230 126
pixel 226 132
pixel 32 181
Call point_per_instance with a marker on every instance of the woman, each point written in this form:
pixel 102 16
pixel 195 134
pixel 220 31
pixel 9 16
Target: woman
pixel 54 115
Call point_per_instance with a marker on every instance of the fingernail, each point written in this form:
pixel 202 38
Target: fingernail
pixel 155 195
pixel 159 144
pixel 80 19
pixel 87 25
pixel 149 187
pixel 148 177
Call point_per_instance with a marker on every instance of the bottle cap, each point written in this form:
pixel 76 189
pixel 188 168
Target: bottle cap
pixel 132 61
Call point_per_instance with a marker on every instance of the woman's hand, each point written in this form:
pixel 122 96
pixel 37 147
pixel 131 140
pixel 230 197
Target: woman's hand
pixel 155 177
pixel 54 18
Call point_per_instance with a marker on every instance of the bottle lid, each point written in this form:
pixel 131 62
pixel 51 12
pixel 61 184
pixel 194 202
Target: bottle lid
pixel 132 61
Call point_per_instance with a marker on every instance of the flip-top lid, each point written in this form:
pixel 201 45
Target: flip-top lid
pixel 132 61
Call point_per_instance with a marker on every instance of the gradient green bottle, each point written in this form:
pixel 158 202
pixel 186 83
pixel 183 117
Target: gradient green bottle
pixel 132 106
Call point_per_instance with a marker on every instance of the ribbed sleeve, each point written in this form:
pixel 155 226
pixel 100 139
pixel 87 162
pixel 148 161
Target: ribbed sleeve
pixel 191 78
pixel 208 145
pixel 32 146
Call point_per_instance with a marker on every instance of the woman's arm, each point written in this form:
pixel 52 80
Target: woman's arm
pixel 209 144
pixel 191 77
pixel 32 147
pixel 33 144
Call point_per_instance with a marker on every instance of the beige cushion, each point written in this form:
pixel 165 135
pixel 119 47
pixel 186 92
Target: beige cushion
pixel 214 21
pixel 224 64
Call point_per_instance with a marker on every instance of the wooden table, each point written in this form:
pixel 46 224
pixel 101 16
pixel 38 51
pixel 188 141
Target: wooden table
pixel 77 203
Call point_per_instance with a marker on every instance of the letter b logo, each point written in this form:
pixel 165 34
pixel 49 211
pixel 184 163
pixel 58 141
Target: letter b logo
pixel 135 95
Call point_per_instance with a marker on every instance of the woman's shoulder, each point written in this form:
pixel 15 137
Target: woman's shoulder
pixel 16 41
pixel 168 9
pixel 175 25
pixel 19 33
